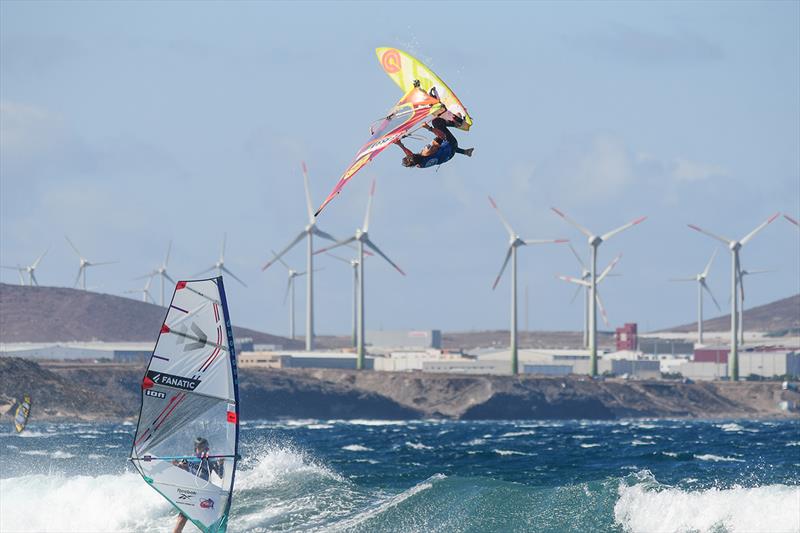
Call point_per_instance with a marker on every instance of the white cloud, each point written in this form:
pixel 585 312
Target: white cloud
pixel 685 170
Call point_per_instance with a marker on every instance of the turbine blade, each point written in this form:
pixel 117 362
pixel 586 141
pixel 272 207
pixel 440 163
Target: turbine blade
pixel 761 226
pixel 575 294
pixel 231 274
pixel 308 193
pixel 338 258
pixel 78 277
pixel 509 229
pixel 36 263
pixel 168 277
pixel 761 271
pixel 340 243
pixel 316 231
pixel 72 244
pixel 209 269
pixel 545 241
pixel 380 253
pixel 727 242
pixel 102 263
pixel 576 281
pixel 150 275
pixel 568 219
pixel 578 257
pixel 281 261
pixel 502 268
pixel 222 253
pixel 609 268
pixel 601 306
pixel 792 220
pixel 683 279
pixel 34 281
pixel 286 249
pixel 288 288
pixel 708 266
pixel 169 249
pixel 630 224
pixel 708 290
pixel 365 227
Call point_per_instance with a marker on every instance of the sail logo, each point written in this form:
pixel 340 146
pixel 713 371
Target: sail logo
pixel 207 504
pixel 178 382
pixel 155 393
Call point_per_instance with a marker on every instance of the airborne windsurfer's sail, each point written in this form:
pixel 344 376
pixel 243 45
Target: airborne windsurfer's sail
pixel 190 396
pixel 426 98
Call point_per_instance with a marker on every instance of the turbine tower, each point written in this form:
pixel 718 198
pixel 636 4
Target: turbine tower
pixel 701 286
pixel 586 284
pixel 585 275
pixel 514 242
pixel 84 264
pixel 20 270
pixel 289 289
pixel 354 265
pixel 743 274
pixel 362 237
pixel 219 266
pixel 594 243
pixel 309 231
pixel 161 272
pixel 734 247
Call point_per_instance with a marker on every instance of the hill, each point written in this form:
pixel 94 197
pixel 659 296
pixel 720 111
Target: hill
pixel 777 316
pixel 58 314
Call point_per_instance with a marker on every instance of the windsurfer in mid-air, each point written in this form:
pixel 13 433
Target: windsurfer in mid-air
pixel 441 150
pixel 201 469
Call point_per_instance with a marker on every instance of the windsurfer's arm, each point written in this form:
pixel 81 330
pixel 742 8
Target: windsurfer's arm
pixel 402 146
pixel 432 148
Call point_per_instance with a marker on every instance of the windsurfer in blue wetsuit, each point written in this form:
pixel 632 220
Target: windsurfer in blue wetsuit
pixel 201 468
pixel 442 149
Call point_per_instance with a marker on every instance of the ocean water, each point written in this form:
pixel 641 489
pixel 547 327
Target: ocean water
pixel 429 476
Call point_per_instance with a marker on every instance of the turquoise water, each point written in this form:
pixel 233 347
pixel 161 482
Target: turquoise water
pixel 366 475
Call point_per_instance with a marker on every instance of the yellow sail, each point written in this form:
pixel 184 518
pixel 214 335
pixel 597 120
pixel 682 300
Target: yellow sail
pixel 404 68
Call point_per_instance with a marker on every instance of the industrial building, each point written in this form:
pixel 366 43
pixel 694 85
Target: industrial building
pixel 382 340
pixel 301 359
pixel 123 352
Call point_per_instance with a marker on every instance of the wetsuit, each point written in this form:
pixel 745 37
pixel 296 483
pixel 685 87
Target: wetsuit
pixel 447 146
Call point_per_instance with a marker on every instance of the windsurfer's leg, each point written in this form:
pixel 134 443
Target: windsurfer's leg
pixel 180 523
pixel 440 125
pixel 465 151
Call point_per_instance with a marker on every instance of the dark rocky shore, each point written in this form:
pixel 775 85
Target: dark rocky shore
pixel 111 392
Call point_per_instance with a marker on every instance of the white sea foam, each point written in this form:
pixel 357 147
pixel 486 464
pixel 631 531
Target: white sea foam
pixel 518 433
pixel 641 443
pixel 43 503
pixel 736 428
pixel 356 448
pixel 475 442
pixel 418 446
pixel 793 443
pixel 647 506
pixel 360 422
pixel 270 464
pixel 34 452
pixel 717 458
pixel 590 445
pixel 319 426
pixel 511 452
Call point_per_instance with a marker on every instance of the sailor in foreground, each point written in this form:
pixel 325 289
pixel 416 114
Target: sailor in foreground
pixel 200 467
pixel 441 150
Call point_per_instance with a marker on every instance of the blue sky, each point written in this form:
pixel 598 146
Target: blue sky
pixel 125 125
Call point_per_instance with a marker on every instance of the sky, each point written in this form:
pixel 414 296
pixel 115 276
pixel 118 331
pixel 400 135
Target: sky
pixel 125 125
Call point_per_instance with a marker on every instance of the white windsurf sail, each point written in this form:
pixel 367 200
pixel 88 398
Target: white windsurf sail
pixel 187 438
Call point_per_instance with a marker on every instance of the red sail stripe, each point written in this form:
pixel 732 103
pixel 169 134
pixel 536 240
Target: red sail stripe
pixel 215 353
pixel 144 434
pixel 183 397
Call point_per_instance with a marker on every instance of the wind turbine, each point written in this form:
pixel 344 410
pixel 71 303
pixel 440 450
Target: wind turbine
pixel 734 247
pixel 362 237
pixel 289 289
pixel 84 264
pixel 219 266
pixel 792 220
pixel 20 270
pixel 701 286
pixel 145 291
pixel 742 274
pixel 594 243
pixel 583 282
pixel 161 272
pixel 514 242
pixel 309 231
pixel 354 265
